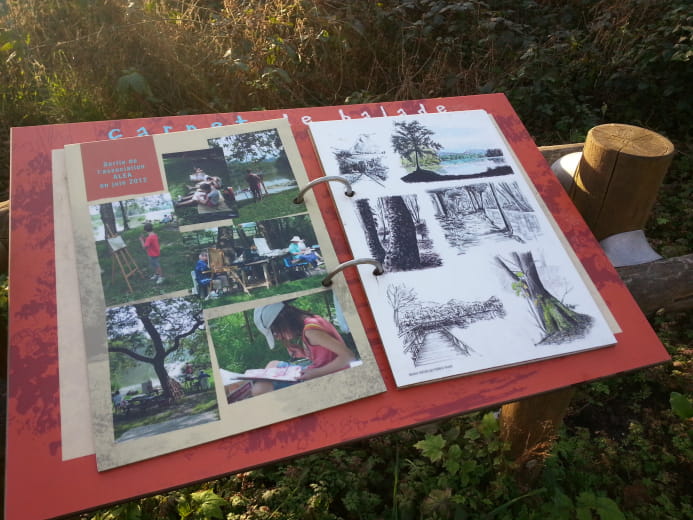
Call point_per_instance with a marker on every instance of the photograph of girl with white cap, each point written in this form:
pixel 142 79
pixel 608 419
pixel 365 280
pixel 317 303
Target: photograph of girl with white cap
pixel 312 342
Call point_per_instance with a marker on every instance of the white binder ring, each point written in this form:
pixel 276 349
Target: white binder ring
pixel 349 192
pixel 327 281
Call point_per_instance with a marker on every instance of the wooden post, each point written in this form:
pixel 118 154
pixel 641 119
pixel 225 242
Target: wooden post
pixel 615 187
pixel 619 175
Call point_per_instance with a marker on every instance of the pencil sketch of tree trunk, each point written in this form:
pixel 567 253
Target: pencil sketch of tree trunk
pixel 403 249
pixel 371 229
pixel 558 322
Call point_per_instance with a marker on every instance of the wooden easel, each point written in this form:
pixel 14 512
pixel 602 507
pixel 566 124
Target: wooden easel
pixel 122 257
pixel 218 265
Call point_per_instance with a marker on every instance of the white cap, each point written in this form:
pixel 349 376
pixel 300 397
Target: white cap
pixel 295 239
pixel 264 317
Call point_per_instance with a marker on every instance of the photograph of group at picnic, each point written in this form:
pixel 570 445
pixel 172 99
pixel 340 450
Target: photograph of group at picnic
pixel 245 176
pixel 242 262
pixel 281 344
pixel 160 368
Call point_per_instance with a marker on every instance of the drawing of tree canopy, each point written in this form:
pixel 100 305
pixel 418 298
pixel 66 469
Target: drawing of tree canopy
pixel 426 327
pixel 558 322
pixel 470 214
pixel 433 162
pixel 396 234
pixel 363 159
pixel 415 144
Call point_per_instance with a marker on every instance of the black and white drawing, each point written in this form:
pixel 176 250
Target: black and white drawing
pixel 396 234
pixel 453 224
pixel 557 320
pixel 473 213
pixel 426 328
pixel 421 147
pixel 363 159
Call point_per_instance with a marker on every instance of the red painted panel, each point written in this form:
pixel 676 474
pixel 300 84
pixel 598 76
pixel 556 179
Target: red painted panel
pixel 33 433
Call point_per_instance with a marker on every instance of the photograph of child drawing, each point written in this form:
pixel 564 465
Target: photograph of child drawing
pixel 281 344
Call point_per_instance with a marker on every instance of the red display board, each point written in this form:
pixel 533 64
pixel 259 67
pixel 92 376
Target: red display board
pixel 34 459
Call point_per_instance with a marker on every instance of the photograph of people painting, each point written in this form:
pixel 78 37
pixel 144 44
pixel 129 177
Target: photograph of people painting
pixel 137 247
pixel 243 262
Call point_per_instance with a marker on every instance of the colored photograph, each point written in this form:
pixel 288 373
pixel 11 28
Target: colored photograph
pixel 200 186
pixel 231 264
pixel 137 245
pixel 282 344
pixel 160 368
pixel 260 174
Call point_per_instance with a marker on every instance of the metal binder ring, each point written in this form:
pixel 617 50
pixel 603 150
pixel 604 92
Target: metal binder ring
pixel 329 178
pixel 327 281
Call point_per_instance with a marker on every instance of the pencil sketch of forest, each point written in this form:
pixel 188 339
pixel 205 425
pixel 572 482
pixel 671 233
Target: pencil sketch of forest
pixel 557 321
pixel 477 212
pixel 426 328
pixel 362 159
pixel 396 234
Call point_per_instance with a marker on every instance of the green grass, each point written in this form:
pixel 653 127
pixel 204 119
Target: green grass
pixel 271 206
pixel 176 264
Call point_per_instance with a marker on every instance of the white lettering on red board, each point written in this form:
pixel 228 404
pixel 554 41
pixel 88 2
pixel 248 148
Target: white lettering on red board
pixel 117 133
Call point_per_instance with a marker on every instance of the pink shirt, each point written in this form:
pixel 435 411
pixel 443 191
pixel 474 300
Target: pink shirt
pixel 319 355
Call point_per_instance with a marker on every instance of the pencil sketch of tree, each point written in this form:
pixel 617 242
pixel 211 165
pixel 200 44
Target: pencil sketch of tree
pixel 371 230
pixel 362 159
pixel 426 328
pixel 403 253
pixel 558 322
pixel 395 233
pixel 472 213
pixel 414 143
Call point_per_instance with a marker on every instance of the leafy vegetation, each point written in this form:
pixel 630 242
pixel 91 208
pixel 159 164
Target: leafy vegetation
pixel 625 450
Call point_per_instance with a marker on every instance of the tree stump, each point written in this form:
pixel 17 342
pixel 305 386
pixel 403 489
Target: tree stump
pixel 619 175
pixel 615 187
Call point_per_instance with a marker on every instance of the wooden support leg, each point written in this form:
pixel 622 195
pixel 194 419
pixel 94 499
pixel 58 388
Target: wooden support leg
pixel 615 187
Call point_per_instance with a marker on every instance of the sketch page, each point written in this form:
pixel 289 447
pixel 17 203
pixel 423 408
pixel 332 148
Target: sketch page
pixel 196 264
pixel 475 276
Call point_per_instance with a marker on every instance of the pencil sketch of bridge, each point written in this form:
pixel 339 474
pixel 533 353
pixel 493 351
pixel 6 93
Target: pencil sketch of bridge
pixel 426 328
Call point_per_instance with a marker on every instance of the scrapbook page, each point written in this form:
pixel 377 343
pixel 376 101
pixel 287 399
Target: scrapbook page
pixel 475 277
pixel 198 272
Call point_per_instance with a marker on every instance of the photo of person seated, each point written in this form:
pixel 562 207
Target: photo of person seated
pixel 312 342
pixel 205 194
pixel 300 253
